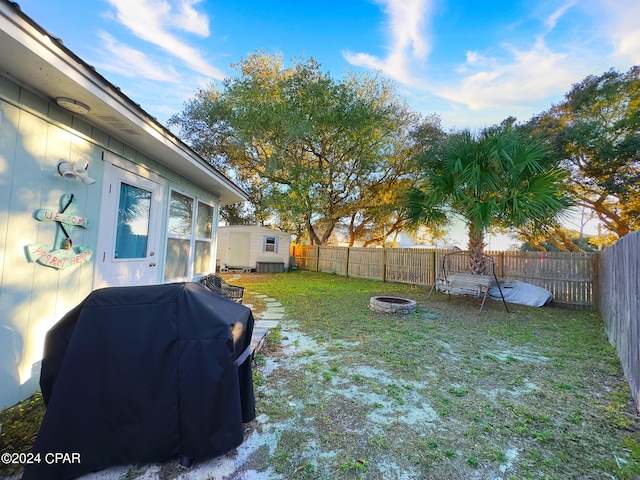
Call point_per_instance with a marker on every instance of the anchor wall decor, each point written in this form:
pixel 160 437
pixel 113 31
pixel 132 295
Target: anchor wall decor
pixel 62 254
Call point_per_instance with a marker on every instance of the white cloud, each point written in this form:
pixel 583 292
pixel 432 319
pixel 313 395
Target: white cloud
pixel 189 19
pixel 129 62
pixel 552 20
pixel 407 39
pixel 514 78
pixel 153 21
pixel 473 59
pixel 619 24
pixel 511 76
pixel 524 79
pixel 628 46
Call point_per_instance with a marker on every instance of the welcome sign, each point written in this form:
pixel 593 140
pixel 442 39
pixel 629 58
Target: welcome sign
pixel 44 214
pixel 61 254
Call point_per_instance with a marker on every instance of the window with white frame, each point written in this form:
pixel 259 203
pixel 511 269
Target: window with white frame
pixel 204 231
pixel 270 244
pixel 189 237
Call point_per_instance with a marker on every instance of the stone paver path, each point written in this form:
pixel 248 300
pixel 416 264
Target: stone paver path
pixel 265 321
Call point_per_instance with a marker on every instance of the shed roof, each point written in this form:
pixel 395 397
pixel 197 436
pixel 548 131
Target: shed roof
pixel 253 228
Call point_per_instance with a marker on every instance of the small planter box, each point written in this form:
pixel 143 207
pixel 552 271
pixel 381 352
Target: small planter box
pixel 269 267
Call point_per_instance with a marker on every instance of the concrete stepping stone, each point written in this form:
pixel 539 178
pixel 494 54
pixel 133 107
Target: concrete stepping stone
pixel 268 324
pixel 265 321
pixel 270 316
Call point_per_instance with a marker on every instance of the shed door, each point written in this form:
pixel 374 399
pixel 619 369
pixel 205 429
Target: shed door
pixel 239 246
pixel 127 250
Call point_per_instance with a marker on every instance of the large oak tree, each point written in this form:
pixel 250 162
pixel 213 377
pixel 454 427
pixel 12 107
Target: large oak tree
pixel 312 151
pixel 595 132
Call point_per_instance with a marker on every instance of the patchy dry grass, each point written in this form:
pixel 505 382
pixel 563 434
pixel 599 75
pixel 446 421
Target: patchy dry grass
pixel 445 393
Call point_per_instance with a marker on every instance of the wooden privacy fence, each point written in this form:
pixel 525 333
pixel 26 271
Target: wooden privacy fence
pixel 569 276
pixel 619 304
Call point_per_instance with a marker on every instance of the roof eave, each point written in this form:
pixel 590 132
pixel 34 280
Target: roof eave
pixel 33 58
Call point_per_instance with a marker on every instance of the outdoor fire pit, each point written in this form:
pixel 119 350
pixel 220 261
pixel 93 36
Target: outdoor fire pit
pixel 392 305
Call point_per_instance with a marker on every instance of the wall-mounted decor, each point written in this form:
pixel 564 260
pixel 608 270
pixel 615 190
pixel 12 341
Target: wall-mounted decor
pixel 62 254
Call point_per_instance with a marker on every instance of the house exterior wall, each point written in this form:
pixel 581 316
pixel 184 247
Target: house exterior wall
pixel 34 136
pixel 256 242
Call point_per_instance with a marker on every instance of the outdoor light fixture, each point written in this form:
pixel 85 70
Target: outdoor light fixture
pixel 73 105
pixel 80 170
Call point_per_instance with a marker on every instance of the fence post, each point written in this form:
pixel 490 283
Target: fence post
pixel 595 279
pixel 384 264
pixel 346 267
pixel 434 271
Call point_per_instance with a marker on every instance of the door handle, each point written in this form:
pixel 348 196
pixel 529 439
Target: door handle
pixel 152 264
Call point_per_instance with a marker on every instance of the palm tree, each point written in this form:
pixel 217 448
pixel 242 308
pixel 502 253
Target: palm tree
pixel 497 178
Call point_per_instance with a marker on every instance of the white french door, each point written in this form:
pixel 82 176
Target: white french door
pixel 127 252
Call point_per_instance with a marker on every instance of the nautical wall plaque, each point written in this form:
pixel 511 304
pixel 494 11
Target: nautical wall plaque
pixel 62 254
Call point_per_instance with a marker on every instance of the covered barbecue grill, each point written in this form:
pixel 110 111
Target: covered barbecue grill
pixel 137 375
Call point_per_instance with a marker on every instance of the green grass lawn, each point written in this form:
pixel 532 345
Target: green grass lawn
pixel 443 393
pixel 447 392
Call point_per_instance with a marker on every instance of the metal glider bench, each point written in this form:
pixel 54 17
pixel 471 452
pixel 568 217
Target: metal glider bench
pixel 459 276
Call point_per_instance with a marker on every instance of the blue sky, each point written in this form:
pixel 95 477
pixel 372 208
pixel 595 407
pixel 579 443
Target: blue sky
pixel 472 62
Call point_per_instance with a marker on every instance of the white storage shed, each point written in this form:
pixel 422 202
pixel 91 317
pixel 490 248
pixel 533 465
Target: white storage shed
pixel 253 248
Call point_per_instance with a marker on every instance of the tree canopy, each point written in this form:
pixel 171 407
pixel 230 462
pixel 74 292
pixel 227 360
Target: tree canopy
pixel 316 154
pixel 595 132
pixel 312 152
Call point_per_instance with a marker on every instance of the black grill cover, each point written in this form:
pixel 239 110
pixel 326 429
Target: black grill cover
pixel 136 375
